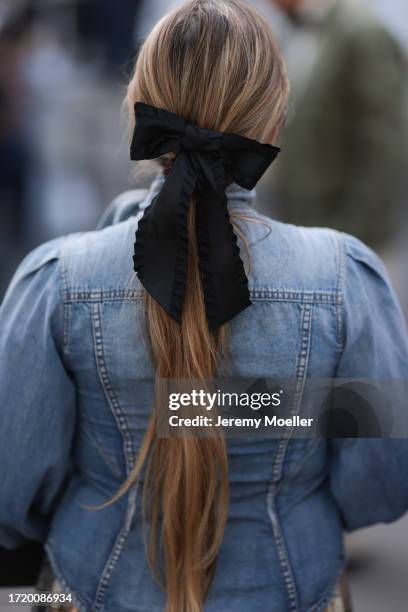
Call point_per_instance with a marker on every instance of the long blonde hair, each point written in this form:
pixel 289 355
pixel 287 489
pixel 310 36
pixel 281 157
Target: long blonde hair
pixel 216 64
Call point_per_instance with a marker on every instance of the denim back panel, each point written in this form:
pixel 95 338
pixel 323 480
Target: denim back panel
pixel 290 331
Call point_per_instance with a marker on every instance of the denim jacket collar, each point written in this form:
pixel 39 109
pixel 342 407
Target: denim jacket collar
pixel 131 203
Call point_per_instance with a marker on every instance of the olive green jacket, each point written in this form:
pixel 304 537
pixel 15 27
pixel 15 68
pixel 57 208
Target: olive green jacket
pixel 344 146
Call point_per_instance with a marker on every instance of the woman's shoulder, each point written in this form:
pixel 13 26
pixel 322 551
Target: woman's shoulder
pixel 302 259
pixel 84 262
pixel 287 256
pixel 102 260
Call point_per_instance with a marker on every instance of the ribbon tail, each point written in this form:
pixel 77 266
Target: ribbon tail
pixel 224 280
pixel 161 246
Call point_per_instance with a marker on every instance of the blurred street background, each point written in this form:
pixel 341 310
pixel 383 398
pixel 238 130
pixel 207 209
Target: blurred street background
pixel 64 66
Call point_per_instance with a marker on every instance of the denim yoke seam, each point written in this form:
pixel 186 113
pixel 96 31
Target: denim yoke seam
pixel 276 295
pixel 101 295
pixel 128 455
pixel 318 296
pixel 301 369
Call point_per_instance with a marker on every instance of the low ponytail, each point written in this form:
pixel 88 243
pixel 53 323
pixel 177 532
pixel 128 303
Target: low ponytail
pixel 190 473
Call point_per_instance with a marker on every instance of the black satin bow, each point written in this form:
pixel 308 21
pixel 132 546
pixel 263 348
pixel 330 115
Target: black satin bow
pixel 205 161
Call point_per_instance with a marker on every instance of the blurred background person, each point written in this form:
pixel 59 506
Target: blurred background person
pixel 63 69
pixel 13 146
pixel 345 144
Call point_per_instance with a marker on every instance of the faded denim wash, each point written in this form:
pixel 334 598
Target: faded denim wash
pixel 76 384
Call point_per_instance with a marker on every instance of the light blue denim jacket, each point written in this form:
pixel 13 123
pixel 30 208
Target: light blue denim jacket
pixel 76 385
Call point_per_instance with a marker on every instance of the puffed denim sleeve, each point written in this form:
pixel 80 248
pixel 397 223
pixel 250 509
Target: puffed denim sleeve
pixel 369 475
pixel 37 398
